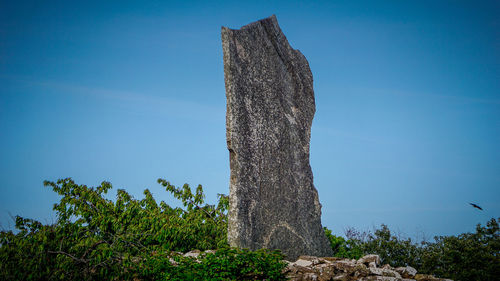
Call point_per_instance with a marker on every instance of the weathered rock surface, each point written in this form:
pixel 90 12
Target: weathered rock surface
pixel 270 108
pixel 365 269
pixel 407 272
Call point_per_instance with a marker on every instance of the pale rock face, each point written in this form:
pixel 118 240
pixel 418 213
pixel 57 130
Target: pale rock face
pixel 407 272
pixel 384 272
pixel 302 262
pixel 368 259
pixel 193 254
pixel 270 107
pixel 379 278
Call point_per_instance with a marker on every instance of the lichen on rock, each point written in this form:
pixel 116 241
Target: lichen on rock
pixel 270 107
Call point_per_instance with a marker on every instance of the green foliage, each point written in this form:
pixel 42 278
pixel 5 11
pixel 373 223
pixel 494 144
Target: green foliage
pixel 128 239
pixel 343 248
pixel 97 239
pixel 228 264
pixel 468 256
pixel 391 249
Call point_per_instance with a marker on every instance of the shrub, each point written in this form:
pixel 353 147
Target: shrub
pixel 468 256
pixel 227 264
pixel 97 239
pixel 343 248
pixel 391 249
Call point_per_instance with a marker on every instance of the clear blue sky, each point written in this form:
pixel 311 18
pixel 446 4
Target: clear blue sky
pixel 406 132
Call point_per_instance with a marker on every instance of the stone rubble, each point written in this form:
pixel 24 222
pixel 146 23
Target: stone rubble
pixel 367 268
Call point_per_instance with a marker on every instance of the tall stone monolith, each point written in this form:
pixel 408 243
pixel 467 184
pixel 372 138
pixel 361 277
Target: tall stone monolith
pixel 270 107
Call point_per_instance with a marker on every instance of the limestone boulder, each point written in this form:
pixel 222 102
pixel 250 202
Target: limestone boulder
pixel 407 272
pixel 368 259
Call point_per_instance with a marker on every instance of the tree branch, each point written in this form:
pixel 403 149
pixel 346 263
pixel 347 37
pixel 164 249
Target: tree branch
pixel 68 255
pixel 92 247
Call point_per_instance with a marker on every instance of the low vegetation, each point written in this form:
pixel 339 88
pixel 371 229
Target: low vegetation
pixel 468 256
pixel 95 238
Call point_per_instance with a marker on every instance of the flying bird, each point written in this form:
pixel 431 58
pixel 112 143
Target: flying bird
pixel 476 206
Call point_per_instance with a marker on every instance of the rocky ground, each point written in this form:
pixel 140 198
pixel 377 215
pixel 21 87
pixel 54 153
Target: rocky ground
pixel 367 268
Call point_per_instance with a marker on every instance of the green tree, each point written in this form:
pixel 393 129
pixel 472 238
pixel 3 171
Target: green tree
pixel 468 256
pixel 343 248
pixel 96 238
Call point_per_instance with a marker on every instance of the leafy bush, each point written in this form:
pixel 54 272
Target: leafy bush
pixel 391 249
pixel 469 256
pixel 97 239
pixel 343 248
pixel 227 264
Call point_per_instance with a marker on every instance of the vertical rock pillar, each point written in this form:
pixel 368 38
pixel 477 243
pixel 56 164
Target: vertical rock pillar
pixel 270 107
